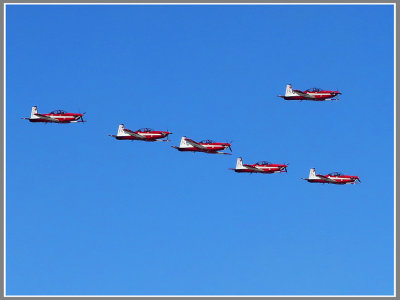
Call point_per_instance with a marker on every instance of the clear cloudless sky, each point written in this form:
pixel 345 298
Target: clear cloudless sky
pixel 90 215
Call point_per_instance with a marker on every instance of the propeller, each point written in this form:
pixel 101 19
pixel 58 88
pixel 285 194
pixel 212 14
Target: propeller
pixel 229 145
pixel 168 135
pixel 285 168
pixel 82 116
pixel 337 94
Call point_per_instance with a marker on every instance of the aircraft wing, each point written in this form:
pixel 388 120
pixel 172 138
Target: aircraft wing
pixel 305 95
pixel 47 118
pixel 253 168
pixel 134 134
pixel 196 145
pixel 327 178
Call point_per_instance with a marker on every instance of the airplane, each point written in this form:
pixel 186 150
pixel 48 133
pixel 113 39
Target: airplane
pixel 260 167
pixel 314 94
pixel 334 178
pixel 56 116
pixel 206 146
pixel 143 134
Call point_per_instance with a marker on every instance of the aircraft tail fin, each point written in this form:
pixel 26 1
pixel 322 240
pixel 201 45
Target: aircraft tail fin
pixel 239 163
pixel 121 130
pixel 312 174
pixel 183 143
pixel 289 90
pixel 34 112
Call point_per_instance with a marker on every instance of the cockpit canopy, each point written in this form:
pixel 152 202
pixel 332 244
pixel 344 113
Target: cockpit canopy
pixel 313 90
pixel 263 163
pixel 145 130
pixel 58 112
pixel 335 174
pixel 207 142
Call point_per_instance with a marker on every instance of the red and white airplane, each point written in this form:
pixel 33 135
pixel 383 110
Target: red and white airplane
pixel 260 167
pixel 57 116
pixel 206 146
pixel 334 178
pixel 313 94
pixel 143 134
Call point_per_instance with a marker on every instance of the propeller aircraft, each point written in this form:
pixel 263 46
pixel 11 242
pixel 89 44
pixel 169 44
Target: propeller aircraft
pixel 334 178
pixel 314 94
pixel 143 134
pixel 56 116
pixel 206 146
pixel 259 167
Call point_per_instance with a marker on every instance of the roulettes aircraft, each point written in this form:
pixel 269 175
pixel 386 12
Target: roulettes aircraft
pixel 144 134
pixel 260 167
pixel 314 94
pixel 206 146
pixel 57 116
pixel 334 178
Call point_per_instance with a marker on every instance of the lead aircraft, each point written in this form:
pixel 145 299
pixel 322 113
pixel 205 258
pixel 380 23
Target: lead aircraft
pixel 314 94
pixel 260 167
pixel 206 146
pixel 334 178
pixel 56 116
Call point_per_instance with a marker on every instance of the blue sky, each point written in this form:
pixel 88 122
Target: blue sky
pixel 87 214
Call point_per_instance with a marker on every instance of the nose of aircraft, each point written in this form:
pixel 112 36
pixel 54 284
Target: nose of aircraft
pixel 79 116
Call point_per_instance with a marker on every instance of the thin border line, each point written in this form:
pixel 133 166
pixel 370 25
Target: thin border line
pixel 394 154
pixel 143 3
pixel 4 155
pixel 260 4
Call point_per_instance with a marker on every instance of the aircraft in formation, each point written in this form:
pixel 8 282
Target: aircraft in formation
pixel 259 167
pixel 314 94
pixel 209 146
pixel 334 178
pixel 56 116
pixel 206 146
pixel 143 134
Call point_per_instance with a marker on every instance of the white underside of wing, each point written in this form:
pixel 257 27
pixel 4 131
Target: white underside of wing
pixel 254 169
pixel 134 134
pixel 47 118
pixel 306 95
pixel 327 179
pixel 198 146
